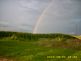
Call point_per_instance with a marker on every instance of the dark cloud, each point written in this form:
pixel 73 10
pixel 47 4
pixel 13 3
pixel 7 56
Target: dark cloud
pixel 63 16
pixel 22 15
pixel 19 12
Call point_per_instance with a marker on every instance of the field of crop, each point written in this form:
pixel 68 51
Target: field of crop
pixel 16 46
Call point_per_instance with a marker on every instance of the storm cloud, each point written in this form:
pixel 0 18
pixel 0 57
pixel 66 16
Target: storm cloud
pixel 21 15
pixel 63 16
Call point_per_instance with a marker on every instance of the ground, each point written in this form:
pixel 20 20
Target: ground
pixel 43 49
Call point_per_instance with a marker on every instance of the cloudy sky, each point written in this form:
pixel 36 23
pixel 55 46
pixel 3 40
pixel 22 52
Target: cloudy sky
pixel 22 15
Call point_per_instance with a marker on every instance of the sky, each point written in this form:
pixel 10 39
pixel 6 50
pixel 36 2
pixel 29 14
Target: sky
pixel 56 16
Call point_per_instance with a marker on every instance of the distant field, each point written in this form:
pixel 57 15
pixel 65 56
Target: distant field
pixel 28 47
pixel 79 37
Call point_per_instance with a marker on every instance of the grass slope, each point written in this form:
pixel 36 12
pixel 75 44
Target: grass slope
pixel 52 47
pixel 79 37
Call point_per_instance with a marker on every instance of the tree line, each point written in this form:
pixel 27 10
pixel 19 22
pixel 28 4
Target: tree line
pixel 30 36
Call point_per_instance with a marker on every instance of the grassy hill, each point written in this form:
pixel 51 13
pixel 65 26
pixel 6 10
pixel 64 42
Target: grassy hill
pixel 17 46
pixel 79 37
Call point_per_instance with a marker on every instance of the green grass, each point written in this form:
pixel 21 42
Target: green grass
pixel 79 37
pixel 28 51
pixel 42 49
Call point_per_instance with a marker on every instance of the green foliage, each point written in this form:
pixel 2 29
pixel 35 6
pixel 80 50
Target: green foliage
pixel 30 36
pixel 36 47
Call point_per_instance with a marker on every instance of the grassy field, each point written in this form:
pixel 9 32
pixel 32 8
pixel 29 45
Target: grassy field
pixel 52 47
pixel 79 37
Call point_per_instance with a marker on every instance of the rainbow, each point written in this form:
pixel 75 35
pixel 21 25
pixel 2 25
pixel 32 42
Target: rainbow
pixel 41 17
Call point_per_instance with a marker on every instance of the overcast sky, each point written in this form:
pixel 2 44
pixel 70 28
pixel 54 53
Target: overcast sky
pixel 21 15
